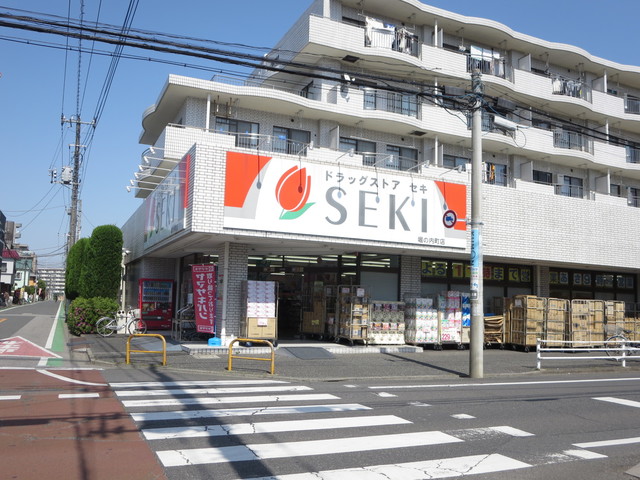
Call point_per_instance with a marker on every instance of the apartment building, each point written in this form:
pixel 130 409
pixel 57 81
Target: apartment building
pixel 346 160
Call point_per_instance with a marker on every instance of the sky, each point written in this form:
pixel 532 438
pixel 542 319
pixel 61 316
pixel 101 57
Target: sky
pixel 39 85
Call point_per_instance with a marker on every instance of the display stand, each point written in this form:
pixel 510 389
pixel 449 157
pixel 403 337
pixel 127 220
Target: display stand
pixel 387 323
pixel 260 310
pixel 421 321
pixel 450 315
pixel 353 313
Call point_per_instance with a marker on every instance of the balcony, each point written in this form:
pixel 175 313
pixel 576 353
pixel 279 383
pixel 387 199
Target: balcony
pixel 572 140
pixel 571 88
pixel 575 191
pixel 400 103
pixel 632 105
pixel 632 154
pixel 388 161
pixel 390 37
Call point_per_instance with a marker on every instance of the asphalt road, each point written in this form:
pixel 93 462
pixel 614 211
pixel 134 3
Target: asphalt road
pixel 584 427
pixel 90 424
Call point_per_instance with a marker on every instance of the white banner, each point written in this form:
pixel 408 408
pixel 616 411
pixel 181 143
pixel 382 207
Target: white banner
pixel 291 196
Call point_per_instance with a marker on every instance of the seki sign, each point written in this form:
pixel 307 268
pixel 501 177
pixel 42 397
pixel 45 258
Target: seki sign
pixel 289 196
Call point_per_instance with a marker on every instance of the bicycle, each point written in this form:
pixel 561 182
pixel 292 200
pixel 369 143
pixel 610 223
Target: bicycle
pixel 617 345
pixel 107 326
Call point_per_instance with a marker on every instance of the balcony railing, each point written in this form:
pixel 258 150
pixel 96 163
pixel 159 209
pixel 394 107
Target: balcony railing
pixel 389 161
pixel 633 154
pixel 487 66
pixel 572 140
pixel 389 37
pixel 571 88
pixel 270 143
pixel 575 191
pixel 632 105
pixel 401 103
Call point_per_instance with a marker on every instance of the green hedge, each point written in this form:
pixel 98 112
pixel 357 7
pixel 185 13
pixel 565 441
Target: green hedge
pixel 85 312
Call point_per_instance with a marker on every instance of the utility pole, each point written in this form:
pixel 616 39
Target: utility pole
pixel 75 182
pixel 476 354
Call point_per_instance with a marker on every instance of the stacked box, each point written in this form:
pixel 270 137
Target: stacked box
pixel 614 317
pixel 587 322
pixel 387 323
pixel 527 320
pixel 451 317
pixel 421 321
pixel 557 319
pixel 494 329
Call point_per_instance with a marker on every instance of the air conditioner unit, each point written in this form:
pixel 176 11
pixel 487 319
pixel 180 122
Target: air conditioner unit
pixel 502 122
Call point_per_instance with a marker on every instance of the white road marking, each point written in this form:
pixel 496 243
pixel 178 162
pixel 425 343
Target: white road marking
pixel 272 427
pixel 504 384
pixel 386 394
pixel 70 380
pixel 608 443
pixel 210 391
pixel 10 397
pixel 192 383
pixel 441 468
pixel 463 416
pixel 621 401
pixel 197 456
pixel 79 395
pixel 166 402
pixel 240 412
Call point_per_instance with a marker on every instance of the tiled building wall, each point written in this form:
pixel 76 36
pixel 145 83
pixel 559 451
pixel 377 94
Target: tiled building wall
pixel 232 267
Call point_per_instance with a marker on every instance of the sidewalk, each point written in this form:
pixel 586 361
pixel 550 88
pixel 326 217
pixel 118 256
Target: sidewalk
pixel 326 361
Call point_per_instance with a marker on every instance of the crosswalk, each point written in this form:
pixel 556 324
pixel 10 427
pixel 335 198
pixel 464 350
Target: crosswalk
pixel 212 425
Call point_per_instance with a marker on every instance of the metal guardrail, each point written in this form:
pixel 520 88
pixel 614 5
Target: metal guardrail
pixel 252 340
pixel 163 351
pixel 627 347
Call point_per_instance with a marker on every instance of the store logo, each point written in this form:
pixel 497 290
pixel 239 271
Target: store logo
pixel 292 193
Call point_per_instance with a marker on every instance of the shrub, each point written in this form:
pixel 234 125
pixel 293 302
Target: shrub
pixel 75 260
pixel 85 312
pixel 102 268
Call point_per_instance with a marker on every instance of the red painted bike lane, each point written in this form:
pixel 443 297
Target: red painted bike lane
pixel 62 424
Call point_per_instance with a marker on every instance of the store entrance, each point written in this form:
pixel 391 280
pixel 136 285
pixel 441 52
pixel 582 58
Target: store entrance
pixel 300 290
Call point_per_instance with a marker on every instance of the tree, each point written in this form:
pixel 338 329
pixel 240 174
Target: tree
pixel 75 260
pixel 102 270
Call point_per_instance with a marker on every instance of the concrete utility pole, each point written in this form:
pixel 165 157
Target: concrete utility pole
pixel 75 182
pixel 476 355
pixel 73 220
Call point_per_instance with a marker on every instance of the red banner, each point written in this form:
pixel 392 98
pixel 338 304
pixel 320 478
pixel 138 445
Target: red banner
pixel 204 297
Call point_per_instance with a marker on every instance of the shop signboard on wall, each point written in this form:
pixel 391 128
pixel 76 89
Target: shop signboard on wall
pixel 291 196
pixel 166 205
pixel 203 278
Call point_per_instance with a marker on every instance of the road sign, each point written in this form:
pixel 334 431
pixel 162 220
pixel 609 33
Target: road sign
pixel 21 347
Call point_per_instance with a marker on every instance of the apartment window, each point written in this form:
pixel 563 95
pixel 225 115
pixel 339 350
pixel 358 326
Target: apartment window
pixel 364 147
pixel 495 174
pixel 453 161
pixel 3 269
pixel 401 158
pixel 571 187
pixel 291 141
pixel 634 197
pixel 615 190
pixel 246 133
pixel 545 178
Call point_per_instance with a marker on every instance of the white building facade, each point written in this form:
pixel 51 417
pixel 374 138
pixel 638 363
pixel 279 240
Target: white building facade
pixel 347 161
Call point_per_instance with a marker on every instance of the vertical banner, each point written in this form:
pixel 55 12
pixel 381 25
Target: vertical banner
pixel 204 297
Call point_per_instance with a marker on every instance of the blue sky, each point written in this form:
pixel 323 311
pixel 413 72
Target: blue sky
pixel 36 89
